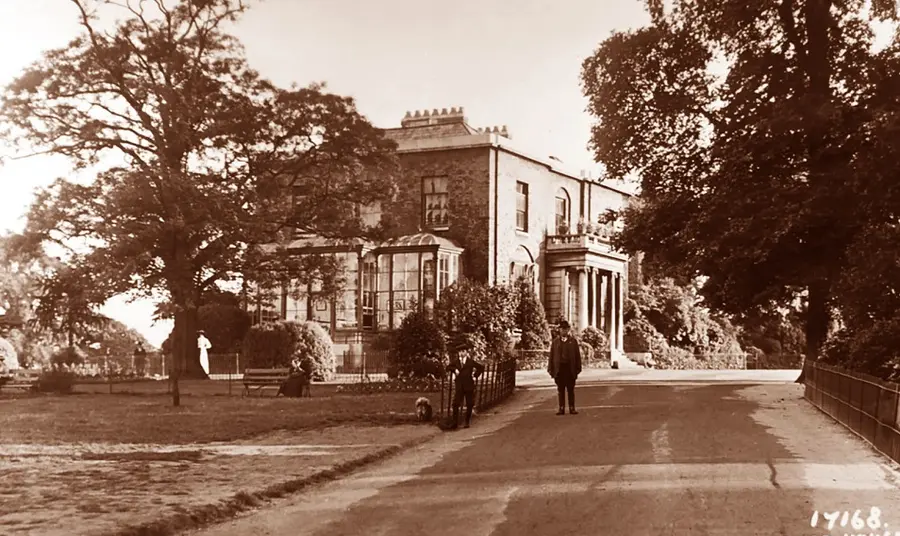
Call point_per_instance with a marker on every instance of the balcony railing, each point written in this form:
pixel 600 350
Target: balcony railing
pixel 581 240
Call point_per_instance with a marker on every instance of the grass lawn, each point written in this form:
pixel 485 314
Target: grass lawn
pixel 147 415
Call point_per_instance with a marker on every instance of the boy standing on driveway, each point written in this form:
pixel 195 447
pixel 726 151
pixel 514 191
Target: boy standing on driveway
pixel 467 371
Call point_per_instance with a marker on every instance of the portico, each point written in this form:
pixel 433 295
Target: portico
pixel 586 283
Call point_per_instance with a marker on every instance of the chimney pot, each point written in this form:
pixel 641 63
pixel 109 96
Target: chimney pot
pixel 408 114
pixel 417 114
pixel 443 111
pixel 435 112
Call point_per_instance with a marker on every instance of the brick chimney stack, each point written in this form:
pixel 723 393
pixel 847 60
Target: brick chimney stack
pixel 435 117
pixel 496 130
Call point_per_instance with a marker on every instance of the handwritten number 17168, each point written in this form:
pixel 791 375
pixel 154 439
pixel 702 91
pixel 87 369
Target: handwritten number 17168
pixel 855 520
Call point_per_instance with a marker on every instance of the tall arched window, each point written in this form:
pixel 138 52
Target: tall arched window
pixel 522 265
pixel 563 210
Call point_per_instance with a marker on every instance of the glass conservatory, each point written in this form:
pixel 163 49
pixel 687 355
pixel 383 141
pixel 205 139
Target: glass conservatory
pixel 383 282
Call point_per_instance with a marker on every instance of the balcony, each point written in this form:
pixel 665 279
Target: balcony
pixel 583 250
pixel 581 241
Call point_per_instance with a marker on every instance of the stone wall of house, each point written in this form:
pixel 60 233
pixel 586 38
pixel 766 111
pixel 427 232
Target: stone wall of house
pixel 543 187
pixel 468 173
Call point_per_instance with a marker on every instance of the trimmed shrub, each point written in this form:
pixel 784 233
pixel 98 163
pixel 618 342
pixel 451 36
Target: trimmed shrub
pixel 596 339
pixel 269 345
pixel 315 348
pixel 479 345
pixel 587 354
pixel 383 342
pixel 531 318
pixel 56 380
pixel 418 348
pixel 468 307
pixel 275 344
pixel 532 359
pixel 646 337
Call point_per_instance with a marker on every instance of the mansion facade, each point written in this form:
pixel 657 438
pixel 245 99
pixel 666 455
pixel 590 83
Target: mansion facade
pixel 474 204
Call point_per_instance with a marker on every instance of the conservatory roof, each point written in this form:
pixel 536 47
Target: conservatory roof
pixel 420 240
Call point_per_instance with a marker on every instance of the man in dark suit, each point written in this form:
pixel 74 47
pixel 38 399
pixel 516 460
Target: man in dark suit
pixel 462 350
pixel 565 366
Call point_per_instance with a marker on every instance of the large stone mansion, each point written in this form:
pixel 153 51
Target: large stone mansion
pixel 473 203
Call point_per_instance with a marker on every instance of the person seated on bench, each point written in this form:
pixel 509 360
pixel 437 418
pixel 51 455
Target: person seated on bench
pixel 297 384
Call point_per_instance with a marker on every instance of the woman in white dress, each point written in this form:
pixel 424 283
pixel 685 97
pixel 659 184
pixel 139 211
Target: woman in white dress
pixel 204 345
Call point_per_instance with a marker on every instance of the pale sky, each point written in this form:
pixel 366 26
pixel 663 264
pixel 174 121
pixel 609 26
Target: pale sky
pixel 509 62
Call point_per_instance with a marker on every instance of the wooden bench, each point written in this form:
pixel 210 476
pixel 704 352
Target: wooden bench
pixel 24 379
pixel 262 378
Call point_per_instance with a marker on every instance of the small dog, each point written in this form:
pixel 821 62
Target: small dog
pixel 423 409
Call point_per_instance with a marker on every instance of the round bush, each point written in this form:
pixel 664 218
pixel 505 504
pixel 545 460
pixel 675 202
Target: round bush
pixel 276 344
pixel 587 353
pixel 316 350
pixel 596 339
pixel 418 347
pixel 56 380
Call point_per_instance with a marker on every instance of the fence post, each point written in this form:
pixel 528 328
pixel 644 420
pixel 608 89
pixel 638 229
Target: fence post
pixel 486 386
pixel 486 399
pixel 494 383
pixel 479 402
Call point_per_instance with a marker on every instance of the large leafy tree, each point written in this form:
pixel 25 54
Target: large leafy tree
pixel 68 303
pixel 199 158
pixel 750 125
pixel 21 273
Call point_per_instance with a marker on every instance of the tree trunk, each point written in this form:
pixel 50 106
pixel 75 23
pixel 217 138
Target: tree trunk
pixel 818 69
pixel 818 320
pixel 186 323
pixel 185 354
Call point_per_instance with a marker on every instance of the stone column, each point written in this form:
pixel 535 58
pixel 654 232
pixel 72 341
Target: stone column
pixel 611 330
pixel 620 323
pixel 360 270
pixel 564 294
pixel 595 292
pixel 591 297
pixel 582 299
pixel 601 299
